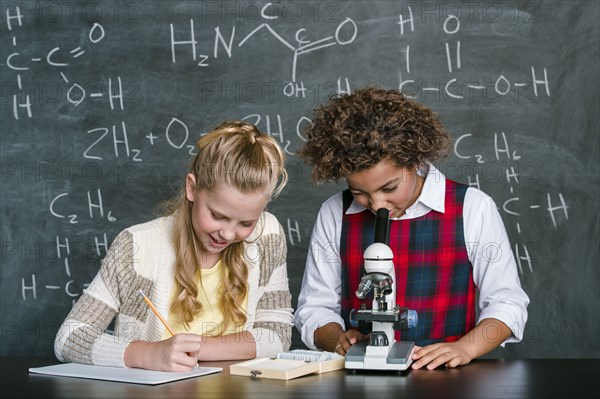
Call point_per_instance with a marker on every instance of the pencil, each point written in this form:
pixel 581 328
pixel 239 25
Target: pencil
pixel 162 319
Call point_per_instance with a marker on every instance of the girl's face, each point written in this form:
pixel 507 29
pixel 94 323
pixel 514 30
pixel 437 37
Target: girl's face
pixel 385 185
pixel 224 215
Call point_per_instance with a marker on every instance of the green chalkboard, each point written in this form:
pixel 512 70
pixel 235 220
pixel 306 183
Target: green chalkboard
pixel 102 100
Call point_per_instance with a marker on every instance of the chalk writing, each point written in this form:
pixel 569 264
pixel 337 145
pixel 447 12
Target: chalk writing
pixel 453 88
pixel 512 206
pixel 345 33
pixel 55 57
pixel 94 203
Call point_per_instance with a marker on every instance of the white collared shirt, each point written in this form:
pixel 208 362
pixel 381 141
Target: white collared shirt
pixel 488 248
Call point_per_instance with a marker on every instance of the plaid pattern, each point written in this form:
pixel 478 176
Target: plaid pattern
pixel 433 272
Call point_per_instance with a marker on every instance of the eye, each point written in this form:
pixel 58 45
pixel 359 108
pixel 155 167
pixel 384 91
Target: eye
pixel 389 189
pixel 247 224
pixel 216 217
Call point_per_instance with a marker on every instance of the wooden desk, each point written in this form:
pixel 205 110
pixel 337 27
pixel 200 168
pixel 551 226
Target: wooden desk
pixel 547 378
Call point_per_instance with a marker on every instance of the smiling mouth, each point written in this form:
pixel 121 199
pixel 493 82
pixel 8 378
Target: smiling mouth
pixel 217 243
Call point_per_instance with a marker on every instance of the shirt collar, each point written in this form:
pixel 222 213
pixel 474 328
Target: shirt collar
pixel 432 194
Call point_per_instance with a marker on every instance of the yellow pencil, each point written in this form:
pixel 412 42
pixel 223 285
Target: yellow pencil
pixel 162 319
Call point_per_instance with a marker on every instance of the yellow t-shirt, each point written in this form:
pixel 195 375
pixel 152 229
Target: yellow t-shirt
pixel 210 322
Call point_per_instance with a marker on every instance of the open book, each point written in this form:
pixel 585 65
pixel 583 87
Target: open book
pixel 120 374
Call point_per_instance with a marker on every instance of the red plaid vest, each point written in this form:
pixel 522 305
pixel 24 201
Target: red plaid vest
pixel 433 272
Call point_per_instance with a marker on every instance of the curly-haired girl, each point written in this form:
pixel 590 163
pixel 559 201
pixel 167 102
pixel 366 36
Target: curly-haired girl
pixel 450 245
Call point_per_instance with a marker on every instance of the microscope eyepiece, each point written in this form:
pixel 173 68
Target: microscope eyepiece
pixel 381 226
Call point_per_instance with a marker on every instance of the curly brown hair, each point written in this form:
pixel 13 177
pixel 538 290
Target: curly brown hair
pixel 356 131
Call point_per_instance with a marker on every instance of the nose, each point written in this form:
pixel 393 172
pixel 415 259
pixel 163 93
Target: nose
pixel 227 234
pixel 378 202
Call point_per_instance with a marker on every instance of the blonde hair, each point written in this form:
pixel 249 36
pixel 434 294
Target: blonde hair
pixel 239 155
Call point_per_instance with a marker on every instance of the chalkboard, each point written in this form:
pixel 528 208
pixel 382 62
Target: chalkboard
pixel 101 102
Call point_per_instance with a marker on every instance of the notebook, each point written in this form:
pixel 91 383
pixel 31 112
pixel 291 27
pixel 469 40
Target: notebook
pixel 120 374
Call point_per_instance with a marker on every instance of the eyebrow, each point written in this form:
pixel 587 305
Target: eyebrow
pixel 393 181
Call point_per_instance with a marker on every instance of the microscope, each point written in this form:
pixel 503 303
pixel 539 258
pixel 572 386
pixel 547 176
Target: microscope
pixel 381 351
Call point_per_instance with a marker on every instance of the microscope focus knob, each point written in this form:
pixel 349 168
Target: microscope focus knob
pixel 412 318
pixel 378 338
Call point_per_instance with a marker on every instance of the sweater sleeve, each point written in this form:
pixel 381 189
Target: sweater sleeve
pixel 82 338
pixel 272 328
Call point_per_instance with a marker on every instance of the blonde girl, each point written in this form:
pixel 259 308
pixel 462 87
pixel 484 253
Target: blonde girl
pixel 214 267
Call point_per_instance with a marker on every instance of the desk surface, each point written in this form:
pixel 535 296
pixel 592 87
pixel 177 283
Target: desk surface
pixel 541 378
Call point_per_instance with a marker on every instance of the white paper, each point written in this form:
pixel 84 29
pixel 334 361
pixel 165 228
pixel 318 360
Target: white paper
pixel 119 374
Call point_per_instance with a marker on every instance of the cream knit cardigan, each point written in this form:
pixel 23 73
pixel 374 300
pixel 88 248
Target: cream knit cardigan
pixel 143 257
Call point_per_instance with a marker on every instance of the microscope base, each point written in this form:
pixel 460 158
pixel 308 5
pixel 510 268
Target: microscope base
pixel 398 357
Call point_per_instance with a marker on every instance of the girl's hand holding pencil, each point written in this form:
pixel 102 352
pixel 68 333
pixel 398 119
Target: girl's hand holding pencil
pixel 178 353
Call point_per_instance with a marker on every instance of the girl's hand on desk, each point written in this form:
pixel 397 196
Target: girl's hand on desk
pixel 178 353
pixel 450 354
pixel 472 345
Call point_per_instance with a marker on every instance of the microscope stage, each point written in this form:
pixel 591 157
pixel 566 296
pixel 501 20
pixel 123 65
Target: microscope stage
pixel 379 358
